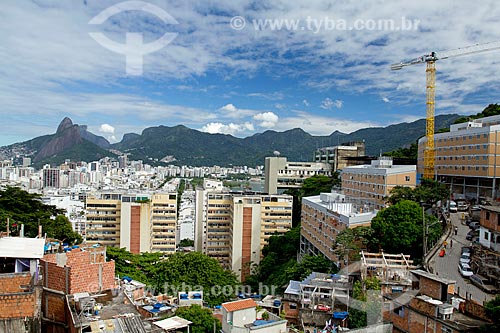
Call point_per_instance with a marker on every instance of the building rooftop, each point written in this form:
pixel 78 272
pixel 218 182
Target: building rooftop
pixel 87 310
pixel 431 276
pixel 20 247
pixel 239 305
pixel 172 323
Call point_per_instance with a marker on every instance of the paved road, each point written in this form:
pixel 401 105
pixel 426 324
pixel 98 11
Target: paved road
pixel 447 266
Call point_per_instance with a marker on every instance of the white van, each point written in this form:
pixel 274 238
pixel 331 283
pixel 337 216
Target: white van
pixel 452 206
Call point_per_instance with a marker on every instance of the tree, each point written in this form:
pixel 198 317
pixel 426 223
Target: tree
pixel 60 228
pixel 366 304
pixel 352 240
pixel 309 264
pixel 201 318
pixel 195 270
pixel 186 242
pixel 492 309
pixel 399 228
pixel 26 208
pixel 429 192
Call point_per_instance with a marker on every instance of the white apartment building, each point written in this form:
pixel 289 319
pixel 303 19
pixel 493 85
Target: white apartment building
pixel 281 174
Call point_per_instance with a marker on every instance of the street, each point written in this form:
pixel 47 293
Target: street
pixel 447 266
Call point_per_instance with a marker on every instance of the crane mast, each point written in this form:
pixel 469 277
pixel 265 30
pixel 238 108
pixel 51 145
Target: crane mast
pixel 429 152
pixel 430 60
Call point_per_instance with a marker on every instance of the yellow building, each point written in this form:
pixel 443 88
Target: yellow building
pixel 369 185
pixel 235 227
pixel 467 157
pixel 139 223
pixel 103 220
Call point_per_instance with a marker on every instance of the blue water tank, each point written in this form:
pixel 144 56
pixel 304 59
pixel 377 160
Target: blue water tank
pixel 197 296
pixel 184 296
pixel 277 302
pixel 157 305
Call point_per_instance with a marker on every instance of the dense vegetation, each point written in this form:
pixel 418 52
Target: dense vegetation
pixel 179 272
pixel 21 207
pixel 202 319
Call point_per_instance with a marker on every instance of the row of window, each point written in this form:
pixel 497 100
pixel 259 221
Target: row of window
pixel 469 147
pixel 464 138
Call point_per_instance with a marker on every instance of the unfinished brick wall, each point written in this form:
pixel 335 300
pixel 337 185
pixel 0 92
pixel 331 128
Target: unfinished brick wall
pixel 12 282
pixel 17 305
pixel 83 268
pixel 430 288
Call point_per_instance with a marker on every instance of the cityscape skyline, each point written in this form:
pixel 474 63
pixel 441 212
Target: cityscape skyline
pixel 288 66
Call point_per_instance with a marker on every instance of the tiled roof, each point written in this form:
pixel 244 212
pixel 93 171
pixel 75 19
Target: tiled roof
pixel 239 305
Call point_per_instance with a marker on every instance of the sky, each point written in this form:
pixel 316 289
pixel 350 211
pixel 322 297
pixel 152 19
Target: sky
pixel 237 67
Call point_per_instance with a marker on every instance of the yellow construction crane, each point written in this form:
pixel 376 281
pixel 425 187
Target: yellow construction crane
pixel 430 59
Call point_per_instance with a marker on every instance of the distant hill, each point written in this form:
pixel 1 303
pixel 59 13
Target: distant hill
pixel 182 145
pixel 70 141
pixel 192 147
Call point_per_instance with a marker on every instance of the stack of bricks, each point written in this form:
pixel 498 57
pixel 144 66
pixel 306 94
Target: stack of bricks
pixel 80 273
pixel 17 296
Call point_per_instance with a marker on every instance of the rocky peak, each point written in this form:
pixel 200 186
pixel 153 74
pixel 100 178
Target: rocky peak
pixel 64 125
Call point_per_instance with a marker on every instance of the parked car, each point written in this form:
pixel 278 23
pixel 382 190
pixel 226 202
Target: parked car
pixel 474 225
pixel 482 283
pixel 471 234
pixel 465 270
pixel 452 207
pixel 475 208
pixel 466 249
pixel 465 258
pixel 462 206
pixel 322 307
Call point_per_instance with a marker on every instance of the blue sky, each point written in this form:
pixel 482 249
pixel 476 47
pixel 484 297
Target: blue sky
pixel 318 74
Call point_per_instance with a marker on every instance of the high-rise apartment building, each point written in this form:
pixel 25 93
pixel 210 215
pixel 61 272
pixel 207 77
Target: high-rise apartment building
pixel 51 177
pixel 139 223
pixel 281 174
pixel 370 185
pixel 467 157
pixel 233 228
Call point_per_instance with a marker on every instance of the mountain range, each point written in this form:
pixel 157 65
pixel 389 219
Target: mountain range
pixel 184 146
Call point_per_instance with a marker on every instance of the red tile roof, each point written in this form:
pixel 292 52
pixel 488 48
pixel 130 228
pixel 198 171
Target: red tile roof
pixel 239 305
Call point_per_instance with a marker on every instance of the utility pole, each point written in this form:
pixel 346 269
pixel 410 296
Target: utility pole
pixel 424 237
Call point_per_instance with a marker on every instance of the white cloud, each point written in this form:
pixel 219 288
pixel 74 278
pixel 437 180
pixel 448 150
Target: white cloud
pixel 229 108
pixel 280 106
pixel 320 125
pixel 328 103
pixel 233 129
pixel 266 119
pixel 305 102
pixel 385 100
pixel 107 129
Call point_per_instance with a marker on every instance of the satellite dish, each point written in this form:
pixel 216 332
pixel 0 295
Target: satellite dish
pixel 276 153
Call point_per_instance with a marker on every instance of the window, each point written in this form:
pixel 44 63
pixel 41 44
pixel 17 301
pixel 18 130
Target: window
pixel 407 178
pixel 293 306
pixel 487 215
pixel 487 236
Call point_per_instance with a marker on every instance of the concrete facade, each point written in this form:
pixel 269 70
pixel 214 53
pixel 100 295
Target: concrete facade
pixel 467 157
pixel 280 174
pixel 370 184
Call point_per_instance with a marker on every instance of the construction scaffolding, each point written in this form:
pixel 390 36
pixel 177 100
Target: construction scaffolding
pixel 486 262
pixel 389 269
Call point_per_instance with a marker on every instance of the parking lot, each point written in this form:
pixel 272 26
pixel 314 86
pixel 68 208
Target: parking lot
pixel 447 266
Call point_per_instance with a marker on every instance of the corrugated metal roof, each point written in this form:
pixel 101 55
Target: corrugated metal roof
pixel 239 305
pixel 17 247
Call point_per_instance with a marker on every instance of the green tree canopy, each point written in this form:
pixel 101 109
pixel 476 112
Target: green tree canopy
pixel 195 269
pixel 398 229
pixel 429 192
pixel 201 318
pixel 26 208
pixel 186 242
